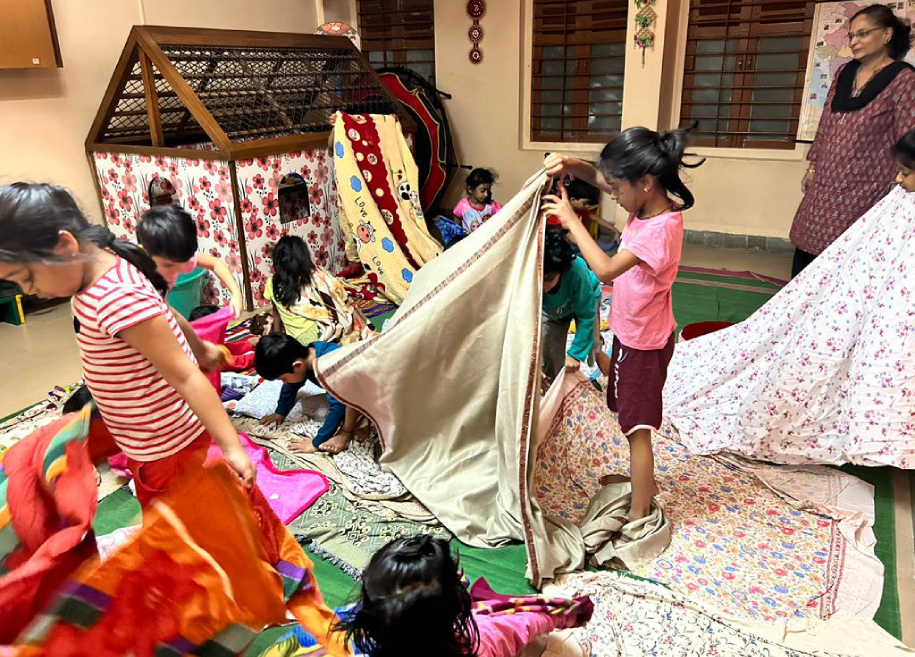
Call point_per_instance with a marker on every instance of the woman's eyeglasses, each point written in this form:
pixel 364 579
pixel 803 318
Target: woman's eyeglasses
pixel 862 34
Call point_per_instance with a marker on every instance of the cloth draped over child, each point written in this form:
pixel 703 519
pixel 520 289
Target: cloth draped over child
pixel 378 183
pixel 323 312
pixel 211 565
pixel 823 372
pixel 468 449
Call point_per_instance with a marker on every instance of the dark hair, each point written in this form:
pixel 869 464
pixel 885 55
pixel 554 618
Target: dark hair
pixel 77 401
pixel 413 601
pixel 276 354
pixel 202 311
pixel 904 149
pixel 883 17
pixel 167 231
pixel 638 152
pixel 558 254
pixel 579 189
pixel 292 268
pixel 479 177
pixel 32 215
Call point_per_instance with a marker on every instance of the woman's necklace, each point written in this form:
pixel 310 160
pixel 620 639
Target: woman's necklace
pixel 859 86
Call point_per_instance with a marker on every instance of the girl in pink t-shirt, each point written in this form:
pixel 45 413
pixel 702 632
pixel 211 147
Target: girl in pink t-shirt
pixel 478 206
pixel 640 170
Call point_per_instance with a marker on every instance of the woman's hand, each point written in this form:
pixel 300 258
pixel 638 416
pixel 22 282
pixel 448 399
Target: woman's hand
pixel 807 180
pixel 242 465
pixel 561 208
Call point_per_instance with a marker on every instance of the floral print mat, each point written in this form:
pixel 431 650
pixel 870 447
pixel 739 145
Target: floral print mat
pixel 736 545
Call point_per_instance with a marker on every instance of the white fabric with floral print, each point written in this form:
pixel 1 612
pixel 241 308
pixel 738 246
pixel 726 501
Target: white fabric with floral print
pixel 825 371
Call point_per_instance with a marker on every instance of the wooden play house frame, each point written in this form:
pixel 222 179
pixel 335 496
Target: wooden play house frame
pixel 182 96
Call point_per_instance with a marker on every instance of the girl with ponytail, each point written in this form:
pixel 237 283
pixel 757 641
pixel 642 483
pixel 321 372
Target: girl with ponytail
pixel 640 170
pixel 139 366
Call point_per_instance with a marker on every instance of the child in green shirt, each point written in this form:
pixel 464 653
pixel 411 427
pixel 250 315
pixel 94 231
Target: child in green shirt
pixel 570 291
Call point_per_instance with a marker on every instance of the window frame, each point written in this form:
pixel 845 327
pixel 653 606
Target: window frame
pixel 528 94
pixel 749 148
pixel 398 55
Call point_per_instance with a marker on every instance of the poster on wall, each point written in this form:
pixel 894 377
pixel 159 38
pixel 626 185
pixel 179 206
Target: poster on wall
pixel 831 50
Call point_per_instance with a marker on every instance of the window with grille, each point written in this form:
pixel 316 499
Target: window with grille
pixel 399 33
pixel 746 61
pixel 577 68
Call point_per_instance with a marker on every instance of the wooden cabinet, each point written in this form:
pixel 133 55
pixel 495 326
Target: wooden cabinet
pixel 29 39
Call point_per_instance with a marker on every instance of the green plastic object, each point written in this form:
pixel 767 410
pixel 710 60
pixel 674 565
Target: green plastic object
pixel 187 292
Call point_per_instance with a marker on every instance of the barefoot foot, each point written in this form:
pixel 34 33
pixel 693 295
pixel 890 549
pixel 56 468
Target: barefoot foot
pixel 302 447
pixel 336 444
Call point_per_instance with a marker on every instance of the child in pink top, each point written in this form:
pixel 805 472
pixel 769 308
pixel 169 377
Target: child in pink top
pixel 478 206
pixel 640 170
pixel 414 601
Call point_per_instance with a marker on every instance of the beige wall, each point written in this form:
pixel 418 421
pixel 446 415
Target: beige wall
pixel 734 194
pixel 45 114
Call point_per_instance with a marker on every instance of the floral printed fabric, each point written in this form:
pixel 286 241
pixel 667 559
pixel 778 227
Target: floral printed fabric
pixel 266 216
pixel 202 187
pixel 825 371
pixel 735 544
pixel 635 618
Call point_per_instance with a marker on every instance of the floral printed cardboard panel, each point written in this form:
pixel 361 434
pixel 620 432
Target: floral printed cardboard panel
pixel 202 187
pixel 311 212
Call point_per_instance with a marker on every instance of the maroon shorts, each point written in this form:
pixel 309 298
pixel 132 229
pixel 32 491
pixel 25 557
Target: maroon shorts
pixel 635 385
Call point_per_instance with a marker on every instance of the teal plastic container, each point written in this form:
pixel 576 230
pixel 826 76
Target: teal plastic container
pixel 187 292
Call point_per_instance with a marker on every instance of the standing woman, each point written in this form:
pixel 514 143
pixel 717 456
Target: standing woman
pixel 870 105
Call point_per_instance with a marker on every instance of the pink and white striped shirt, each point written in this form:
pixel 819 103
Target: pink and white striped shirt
pixel 148 419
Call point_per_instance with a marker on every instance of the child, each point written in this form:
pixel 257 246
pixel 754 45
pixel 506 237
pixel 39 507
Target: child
pixel 168 234
pixel 414 602
pixel 309 303
pixel 904 153
pixel 478 206
pixel 139 366
pixel 640 169
pixel 282 357
pixel 570 291
pixel 585 200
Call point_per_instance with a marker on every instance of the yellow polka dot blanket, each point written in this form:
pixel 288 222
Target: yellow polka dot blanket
pixel 378 188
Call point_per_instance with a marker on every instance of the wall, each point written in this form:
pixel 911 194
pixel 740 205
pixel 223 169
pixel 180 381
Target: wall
pixel 754 193
pixel 45 114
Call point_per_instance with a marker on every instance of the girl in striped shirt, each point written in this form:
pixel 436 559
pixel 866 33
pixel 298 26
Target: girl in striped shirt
pixel 139 359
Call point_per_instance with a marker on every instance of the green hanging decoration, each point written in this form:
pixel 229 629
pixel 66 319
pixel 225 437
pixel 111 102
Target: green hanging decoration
pixel 645 19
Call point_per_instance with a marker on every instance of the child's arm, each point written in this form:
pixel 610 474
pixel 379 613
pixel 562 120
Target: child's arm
pixel 585 316
pixel 603 266
pixel 277 325
pixel 222 272
pixel 209 356
pixel 154 339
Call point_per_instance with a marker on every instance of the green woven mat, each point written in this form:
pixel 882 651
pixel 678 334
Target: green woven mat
pixel 348 536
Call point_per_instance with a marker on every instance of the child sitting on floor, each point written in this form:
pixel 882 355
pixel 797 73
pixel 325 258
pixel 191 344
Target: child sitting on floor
pixel 477 206
pixel 640 169
pixel 169 235
pixel 281 357
pixel 414 600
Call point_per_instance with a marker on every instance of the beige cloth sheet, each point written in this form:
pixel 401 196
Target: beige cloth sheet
pixel 452 384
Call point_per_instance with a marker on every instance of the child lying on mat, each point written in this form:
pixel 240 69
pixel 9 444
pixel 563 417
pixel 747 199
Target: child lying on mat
pixel 282 357
pixel 414 600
